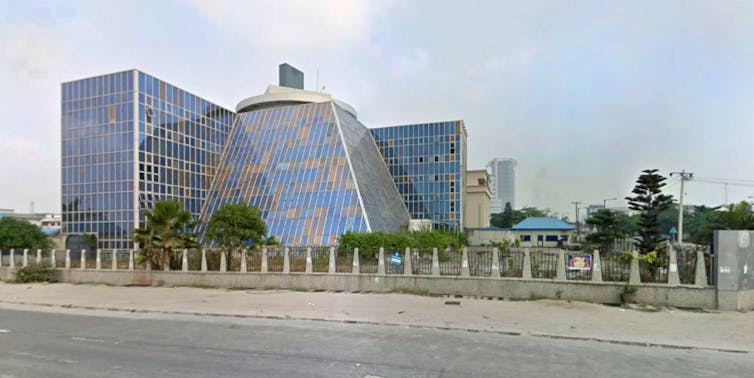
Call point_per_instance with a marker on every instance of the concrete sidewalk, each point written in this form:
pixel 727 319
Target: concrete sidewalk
pixel 545 318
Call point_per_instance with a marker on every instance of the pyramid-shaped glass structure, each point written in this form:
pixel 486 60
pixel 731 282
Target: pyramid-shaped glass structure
pixel 313 170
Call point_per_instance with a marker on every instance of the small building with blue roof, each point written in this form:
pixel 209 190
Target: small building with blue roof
pixel 544 232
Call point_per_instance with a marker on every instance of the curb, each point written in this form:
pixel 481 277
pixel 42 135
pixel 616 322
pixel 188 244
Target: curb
pixel 366 322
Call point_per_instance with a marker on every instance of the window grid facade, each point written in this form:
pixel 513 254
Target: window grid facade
pixel 297 165
pixel 129 139
pixel 427 162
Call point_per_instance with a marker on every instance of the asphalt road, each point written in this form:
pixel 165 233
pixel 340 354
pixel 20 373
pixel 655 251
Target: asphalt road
pixel 113 344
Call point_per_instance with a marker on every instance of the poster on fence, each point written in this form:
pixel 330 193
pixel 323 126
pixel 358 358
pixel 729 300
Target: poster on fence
pixel 579 262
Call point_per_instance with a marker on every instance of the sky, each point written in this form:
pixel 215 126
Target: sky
pixel 583 94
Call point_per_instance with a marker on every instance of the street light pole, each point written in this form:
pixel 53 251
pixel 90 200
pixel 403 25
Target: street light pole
pixel 604 202
pixel 685 176
pixel 578 227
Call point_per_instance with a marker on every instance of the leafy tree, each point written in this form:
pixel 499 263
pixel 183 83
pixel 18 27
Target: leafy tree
pixel 509 217
pixel 649 201
pixel 234 226
pixel 610 226
pixel 166 230
pixel 20 234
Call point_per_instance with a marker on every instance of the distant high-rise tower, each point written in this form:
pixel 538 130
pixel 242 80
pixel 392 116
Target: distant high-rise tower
pixel 502 183
pixel 290 77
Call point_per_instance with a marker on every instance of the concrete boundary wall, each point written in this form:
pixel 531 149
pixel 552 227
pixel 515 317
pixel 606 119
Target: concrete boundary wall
pixel 597 292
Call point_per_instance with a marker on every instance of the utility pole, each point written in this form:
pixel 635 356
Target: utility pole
pixel 578 227
pixel 604 202
pixel 685 176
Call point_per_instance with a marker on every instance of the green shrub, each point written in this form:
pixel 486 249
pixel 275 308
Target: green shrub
pixel 369 242
pixel 36 273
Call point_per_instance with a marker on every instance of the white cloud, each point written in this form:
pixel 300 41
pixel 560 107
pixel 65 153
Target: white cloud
pixel 297 25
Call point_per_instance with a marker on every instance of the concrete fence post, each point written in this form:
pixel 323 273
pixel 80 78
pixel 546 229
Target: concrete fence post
pixel 98 259
pixel 83 260
pixel 204 260
pixel 223 261
pixel 130 259
pixel 309 268
pixel 465 272
pixel 39 256
pixel 244 266
pixel 331 262
pixel 356 268
pixel 115 260
pixel 700 278
pixel 381 262
pixel 184 260
pixel 673 278
pixel 265 266
pixel 596 266
pixel 560 273
pixel 634 277
pixel 149 264
pixel 286 260
pixel 526 274
pixel 25 261
pixel 68 259
pixel 166 267
pixel 407 268
pixel 12 262
pixel 495 270
pixel 53 259
pixel 435 262
pixel 1 259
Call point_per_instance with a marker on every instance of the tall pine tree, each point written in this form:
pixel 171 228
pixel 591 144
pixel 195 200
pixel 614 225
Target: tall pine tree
pixel 649 201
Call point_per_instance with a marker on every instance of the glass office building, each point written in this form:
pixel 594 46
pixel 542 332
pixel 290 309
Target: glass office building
pixel 427 162
pixel 312 169
pixel 129 139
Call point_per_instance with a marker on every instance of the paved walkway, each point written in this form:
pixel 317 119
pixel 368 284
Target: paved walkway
pixel 547 318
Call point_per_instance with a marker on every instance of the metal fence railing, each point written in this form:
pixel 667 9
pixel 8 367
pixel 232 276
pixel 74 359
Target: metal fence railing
pixel 275 259
pixel 511 264
pixel 450 262
pixel 297 257
pixel 421 261
pixel 543 264
pixel 616 267
pixel 394 269
pixel 344 260
pixel 654 272
pixel 368 261
pixel 686 259
pixel 320 259
pixel 480 262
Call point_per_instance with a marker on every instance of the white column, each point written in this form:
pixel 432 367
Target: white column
pixel 331 267
pixel 700 279
pixel 25 261
pixel 381 262
pixel 83 260
pixel 309 268
pixel 286 261
pixel 244 267
pixel 526 274
pixel 114 261
pixel 265 265
pixel 184 260
pixel 355 269
pixel 407 268
pixel 435 262
pixel 465 263
pixel 39 256
pixel 166 267
pixel 12 262
pixel 634 278
pixel 68 259
pixel 204 260
pixel 560 273
pixel 495 271
pixel 596 266
pixel 98 259
pixel 673 278
pixel 53 259
pixel 130 259
pixel 223 261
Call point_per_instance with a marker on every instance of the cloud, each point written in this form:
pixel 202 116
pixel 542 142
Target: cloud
pixel 298 25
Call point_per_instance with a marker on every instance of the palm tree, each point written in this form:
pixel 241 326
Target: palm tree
pixel 166 229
